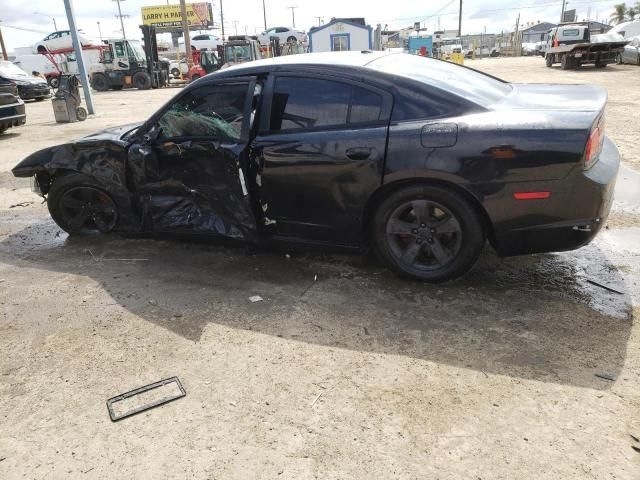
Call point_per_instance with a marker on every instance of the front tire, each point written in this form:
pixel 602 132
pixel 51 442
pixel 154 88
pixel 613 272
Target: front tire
pixel 142 81
pixel 549 60
pixel 80 206
pixel 428 233
pixel 100 82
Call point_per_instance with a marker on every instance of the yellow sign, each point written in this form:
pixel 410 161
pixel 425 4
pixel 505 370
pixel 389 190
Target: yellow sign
pixel 170 16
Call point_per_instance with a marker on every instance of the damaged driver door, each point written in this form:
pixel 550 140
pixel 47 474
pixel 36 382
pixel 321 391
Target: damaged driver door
pixel 188 170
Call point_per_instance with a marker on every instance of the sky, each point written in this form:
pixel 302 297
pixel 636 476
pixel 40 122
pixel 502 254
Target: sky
pixel 247 16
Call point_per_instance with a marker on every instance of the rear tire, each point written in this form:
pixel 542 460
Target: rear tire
pixel 100 82
pixel 549 60
pixel 564 62
pixel 81 114
pixel 292 39
pixel 142 81
pixel 428 233
pixel 79 205
pixel 618 59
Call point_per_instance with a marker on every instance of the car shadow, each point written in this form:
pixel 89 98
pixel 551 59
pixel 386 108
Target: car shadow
pixel 529 317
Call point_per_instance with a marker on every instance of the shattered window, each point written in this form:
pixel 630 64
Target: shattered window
pixel 215 111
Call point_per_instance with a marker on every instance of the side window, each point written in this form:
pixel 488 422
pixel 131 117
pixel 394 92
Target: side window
pixel 64 34
pixel 304 103
pixel 119 48
pixel 199 37
pixel 282 30
pixel 215 111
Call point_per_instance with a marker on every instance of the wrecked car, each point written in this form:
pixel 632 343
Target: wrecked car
pixel 419 159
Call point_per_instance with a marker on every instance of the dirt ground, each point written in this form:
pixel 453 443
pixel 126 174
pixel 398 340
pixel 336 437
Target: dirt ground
pixel 343 371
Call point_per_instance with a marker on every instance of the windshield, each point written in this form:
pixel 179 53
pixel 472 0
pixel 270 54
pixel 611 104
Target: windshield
pixel 9 70
pixel 467 83
pixel 136 51
pixel 238 53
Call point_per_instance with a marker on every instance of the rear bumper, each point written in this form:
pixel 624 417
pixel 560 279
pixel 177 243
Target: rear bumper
pixel 575 213
pixel 12 115
pixel 30 93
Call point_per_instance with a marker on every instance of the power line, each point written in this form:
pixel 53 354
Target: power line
pixel 536 6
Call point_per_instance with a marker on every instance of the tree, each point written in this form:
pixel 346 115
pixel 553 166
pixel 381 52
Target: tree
pixel 631 13
pixel 620 14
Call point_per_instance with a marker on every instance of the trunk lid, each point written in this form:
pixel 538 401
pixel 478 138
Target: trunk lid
pixel 566 98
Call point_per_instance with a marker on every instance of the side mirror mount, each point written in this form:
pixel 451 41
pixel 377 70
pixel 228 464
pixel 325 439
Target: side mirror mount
pixel 152 135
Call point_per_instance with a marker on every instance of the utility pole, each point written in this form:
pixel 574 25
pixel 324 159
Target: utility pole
pixel 293 15
pixel 460 21
pixel 4 49
pixel 235 26
pixel 88 97
pixel 120 16
pixel 564 4
pixel 319 20
pixel 264 12
pixel 222 21
pixel 185 33
pixel 99 31
pixel 515 40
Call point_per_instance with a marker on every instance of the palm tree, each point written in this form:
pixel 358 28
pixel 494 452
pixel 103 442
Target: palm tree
pixel 620 15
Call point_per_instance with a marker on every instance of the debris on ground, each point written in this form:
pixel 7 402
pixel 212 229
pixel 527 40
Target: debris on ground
pixel 256 298
pixel 117 411
pixel 613 290
pixel 21 204
pixel 606 376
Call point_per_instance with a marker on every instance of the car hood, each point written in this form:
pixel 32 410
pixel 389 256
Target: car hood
pixel 69 154
pixel 28 80
pixel 113 133
pixel 548 97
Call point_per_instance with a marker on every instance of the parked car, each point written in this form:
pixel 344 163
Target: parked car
pixel 29 87
pixel 204 41
pixel 57 41
pixel 12 112
pixel 631 52
pixel 418 158
pixel 284 34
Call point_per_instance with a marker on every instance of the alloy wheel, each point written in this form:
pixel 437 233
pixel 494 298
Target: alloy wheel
pixel 424 235
pixel 88 210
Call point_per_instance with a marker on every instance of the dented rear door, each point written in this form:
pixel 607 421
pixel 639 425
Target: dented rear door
pixel 191 177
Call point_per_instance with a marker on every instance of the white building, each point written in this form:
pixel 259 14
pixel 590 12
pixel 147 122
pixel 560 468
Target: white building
pixel 341 35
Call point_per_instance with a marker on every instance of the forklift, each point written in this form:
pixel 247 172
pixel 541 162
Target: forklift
pixel 239 49
pixel 130 63
pixel 204 62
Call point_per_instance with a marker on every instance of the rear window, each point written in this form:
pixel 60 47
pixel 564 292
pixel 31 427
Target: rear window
pixel 460 81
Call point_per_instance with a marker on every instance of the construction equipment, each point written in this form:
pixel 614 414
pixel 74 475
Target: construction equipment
pixel 66 102
pixel 204 62
pixel 240 49
pixel 129 63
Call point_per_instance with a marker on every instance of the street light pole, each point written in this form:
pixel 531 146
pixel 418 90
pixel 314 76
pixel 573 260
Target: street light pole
pixel 460 21
pixel 293 15
pixel 88 97
pixel 55 26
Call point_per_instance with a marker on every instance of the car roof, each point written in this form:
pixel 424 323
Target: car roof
pixel 343 59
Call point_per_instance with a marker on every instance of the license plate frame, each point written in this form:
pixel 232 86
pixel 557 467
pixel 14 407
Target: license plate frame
pixel 124 396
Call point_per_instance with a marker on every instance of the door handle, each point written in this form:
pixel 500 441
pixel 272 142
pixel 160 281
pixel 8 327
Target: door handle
pixel 360 153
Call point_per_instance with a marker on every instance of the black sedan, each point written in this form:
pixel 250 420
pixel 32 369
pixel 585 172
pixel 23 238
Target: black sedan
pixel 12 113
pixel 29 87
pixel 420 159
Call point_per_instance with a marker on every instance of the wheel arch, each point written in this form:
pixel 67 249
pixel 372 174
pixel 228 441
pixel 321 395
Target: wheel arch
pixel 389 188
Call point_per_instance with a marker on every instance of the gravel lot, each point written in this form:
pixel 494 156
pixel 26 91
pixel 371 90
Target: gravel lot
pixel 343 371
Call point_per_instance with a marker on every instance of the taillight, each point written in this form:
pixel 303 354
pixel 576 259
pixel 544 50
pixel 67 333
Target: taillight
pixel 594 145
